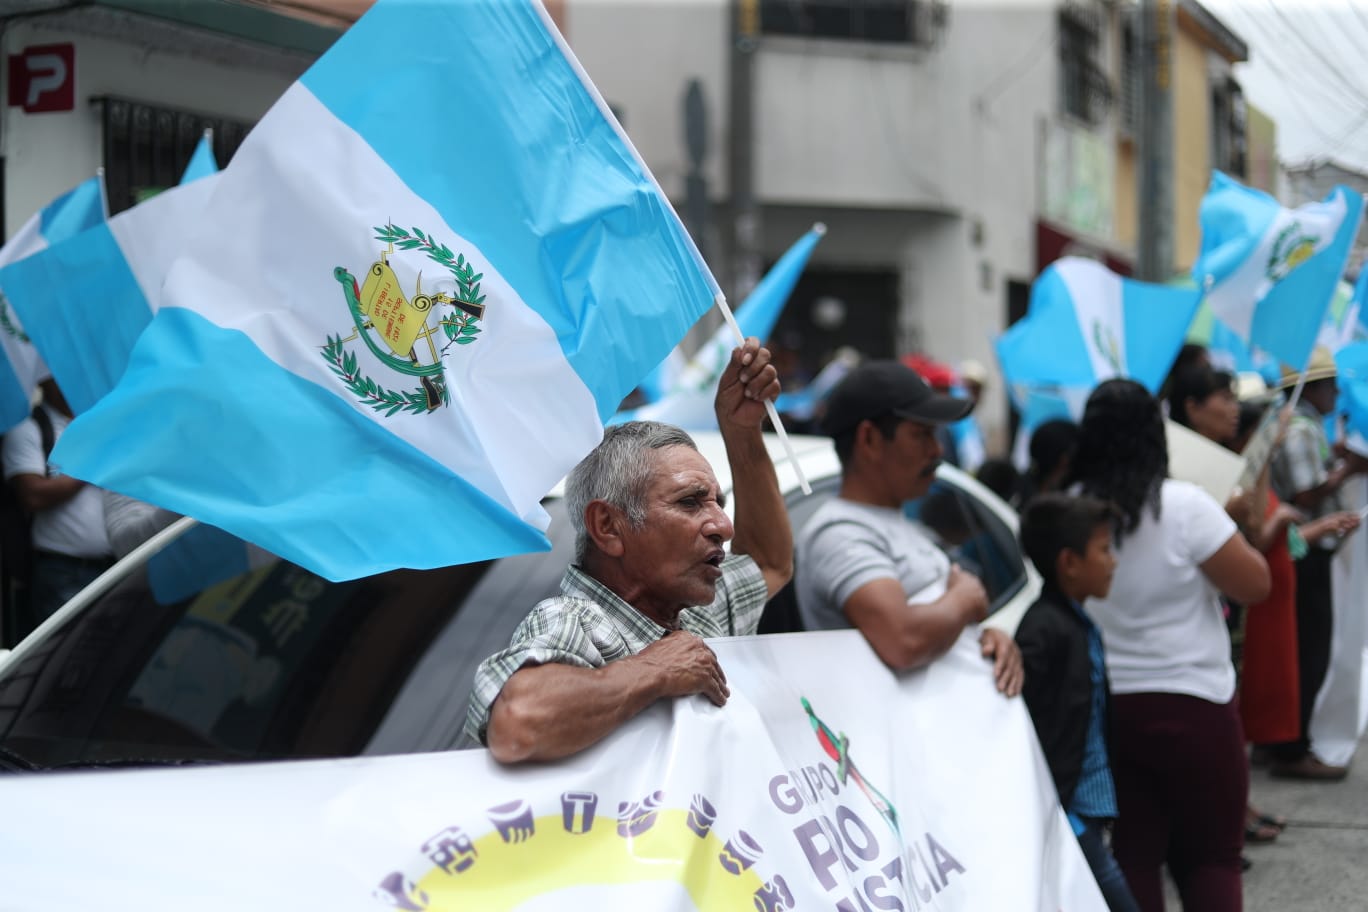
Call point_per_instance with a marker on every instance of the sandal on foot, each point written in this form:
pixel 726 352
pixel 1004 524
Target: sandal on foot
pixel 1272 820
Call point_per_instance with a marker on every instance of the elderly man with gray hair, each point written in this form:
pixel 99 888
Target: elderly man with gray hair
pixel 649 581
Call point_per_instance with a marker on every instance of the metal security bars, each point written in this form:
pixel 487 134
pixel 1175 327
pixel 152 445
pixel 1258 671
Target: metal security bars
pixel 146 147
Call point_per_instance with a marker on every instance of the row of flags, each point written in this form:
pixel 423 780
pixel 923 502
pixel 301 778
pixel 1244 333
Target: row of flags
pixel 414 298
pixel 1265 290
pixel 402 313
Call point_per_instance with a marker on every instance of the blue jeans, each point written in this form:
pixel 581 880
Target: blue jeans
pixel 1110 880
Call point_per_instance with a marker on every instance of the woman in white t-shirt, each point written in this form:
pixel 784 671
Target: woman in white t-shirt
pixel 1177 746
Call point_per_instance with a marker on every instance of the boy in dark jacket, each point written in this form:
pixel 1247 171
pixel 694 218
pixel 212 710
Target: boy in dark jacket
pixel 1069 539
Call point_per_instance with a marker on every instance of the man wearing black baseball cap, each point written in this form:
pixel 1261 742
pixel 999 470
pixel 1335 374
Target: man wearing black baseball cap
pixel 861 563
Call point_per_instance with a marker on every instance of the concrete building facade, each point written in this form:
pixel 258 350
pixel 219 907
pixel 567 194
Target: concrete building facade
pixel 953 150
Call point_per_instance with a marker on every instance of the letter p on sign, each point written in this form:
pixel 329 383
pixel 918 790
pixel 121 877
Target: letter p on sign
pixel 43 78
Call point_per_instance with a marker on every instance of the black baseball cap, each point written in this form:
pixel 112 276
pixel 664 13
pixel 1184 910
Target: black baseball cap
pixel 878 388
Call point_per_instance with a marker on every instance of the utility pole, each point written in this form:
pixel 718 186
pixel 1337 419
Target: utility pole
pixel 696 215
pixel 745 227
pixel 1154 142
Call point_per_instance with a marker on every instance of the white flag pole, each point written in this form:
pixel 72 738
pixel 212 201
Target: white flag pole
pixel 721 301
pixel 1301 383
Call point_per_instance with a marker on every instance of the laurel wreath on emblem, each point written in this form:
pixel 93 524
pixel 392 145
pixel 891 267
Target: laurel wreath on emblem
pixel 7 324
pixel 1291 248
pixel 460 328
pixel 1106 346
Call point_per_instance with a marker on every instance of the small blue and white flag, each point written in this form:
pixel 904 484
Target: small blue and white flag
pixel 970 448
pixel 415 295
pixel 802 404
pixel 1270 272
pixel 67 215
pixel 1352 364
pixel 689 402
pixel 202 162
pixel 1038 405
pixel 86 300
pixel 1085 324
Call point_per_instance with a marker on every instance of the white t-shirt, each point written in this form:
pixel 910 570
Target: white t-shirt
pixel 75 528
pixel 846 545
pixel 1162 623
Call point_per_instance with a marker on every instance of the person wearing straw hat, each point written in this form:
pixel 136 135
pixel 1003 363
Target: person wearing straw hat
pixel 1309 475
pixel 649 581
pixel 861 563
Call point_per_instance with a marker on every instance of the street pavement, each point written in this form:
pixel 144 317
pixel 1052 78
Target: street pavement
pixel 1320 862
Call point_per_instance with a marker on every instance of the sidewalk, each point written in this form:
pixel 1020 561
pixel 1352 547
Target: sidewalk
pixel 1320 862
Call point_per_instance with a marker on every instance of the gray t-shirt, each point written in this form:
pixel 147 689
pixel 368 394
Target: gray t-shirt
pixel 846 545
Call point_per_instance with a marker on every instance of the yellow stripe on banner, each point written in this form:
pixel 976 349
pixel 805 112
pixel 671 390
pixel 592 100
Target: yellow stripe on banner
pixel 506 874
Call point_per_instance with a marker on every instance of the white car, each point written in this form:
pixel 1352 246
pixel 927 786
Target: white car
pixel 276 663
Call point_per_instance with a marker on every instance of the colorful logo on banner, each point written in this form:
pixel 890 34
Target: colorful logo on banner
pixel 518 851
pixel 526 855
pixel 405 347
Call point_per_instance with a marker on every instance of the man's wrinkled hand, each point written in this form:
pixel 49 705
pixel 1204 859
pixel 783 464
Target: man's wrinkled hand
pixel 1008 671
pixel 748 381
pixel 684 666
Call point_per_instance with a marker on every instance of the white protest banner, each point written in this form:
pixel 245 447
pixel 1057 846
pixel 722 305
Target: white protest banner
pixel 1201 461
pixel 1337 721
pixel 826 782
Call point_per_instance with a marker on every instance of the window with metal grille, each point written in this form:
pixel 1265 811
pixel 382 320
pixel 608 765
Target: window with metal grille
pixel 1228 142
pixel 146 147
pixel 1130 73
pixel 891 21
pixel 1084 90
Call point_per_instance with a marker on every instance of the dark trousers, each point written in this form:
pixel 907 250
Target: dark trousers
pixel 1110 880
pixel 1181 785
pixel 1315 627
pixel 57 577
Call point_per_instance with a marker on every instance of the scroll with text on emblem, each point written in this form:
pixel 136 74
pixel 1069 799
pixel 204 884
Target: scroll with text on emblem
pixel 396 318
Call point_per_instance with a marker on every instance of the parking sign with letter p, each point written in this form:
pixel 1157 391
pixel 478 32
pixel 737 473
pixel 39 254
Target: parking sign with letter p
pixel 43 78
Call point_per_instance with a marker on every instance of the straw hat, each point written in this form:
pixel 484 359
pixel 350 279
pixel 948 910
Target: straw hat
pixel 1322 367
pixel 1250 387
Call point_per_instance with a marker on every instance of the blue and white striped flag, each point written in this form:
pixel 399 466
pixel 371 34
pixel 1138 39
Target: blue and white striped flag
pixel 1352 363
pixel 1086 324
pixel 689 402
pixel 86 300
pixel 803 403
pixel 202 162
pixel 67 215
pixel 1270 272
pixel 418 290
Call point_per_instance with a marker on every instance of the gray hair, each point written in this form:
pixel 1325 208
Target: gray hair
pixel 618 472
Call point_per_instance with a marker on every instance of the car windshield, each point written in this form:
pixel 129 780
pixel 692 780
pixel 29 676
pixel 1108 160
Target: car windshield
pixel 193 659
pixel 272 662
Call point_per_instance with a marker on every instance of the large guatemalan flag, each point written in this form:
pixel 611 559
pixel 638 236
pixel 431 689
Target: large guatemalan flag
pixel 429 274
pixel 85 300
pixel 1269 272
pixel 1085 324
pixel 23 367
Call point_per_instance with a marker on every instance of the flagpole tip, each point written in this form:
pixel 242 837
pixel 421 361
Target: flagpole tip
pixel 819 228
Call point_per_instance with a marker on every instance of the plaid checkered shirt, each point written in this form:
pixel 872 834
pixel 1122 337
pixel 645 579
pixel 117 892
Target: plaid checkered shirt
pixel 588 626
pixel 1303 462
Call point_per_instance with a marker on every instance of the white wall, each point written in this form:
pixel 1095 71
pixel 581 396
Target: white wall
pixel 46 154
pixel 851 123
pixel 641 55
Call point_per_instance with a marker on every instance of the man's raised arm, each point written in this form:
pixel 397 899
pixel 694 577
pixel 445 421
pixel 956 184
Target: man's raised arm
pixel 761 520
